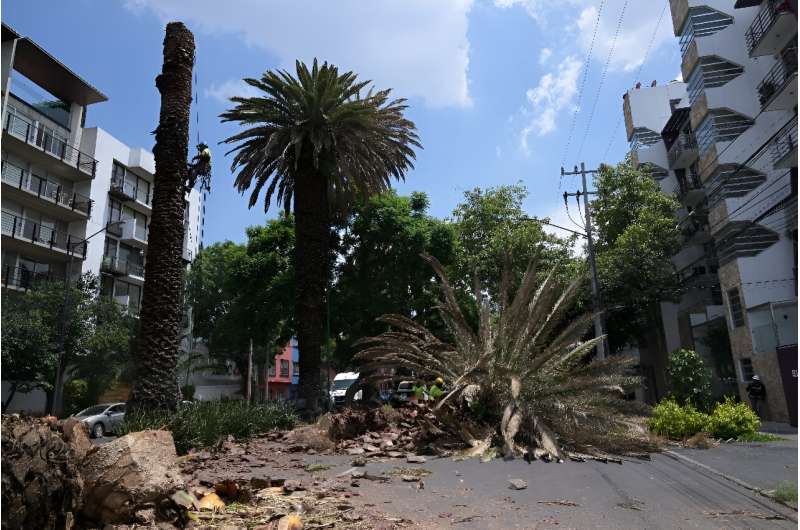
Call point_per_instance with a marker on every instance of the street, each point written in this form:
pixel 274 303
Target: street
pixel 664 493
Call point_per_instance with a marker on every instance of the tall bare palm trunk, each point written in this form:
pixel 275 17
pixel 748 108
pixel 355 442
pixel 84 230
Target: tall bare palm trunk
pixel 312 229
pixel 156 384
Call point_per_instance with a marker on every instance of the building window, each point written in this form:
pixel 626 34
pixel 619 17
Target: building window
pixel 735 303
pixel 746 369
pixel 284 368
pixel 720 125
pixel 272 371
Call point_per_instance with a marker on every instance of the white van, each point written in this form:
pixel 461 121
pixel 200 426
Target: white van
pixel 340 385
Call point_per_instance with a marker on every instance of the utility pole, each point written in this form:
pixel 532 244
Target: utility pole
pixel 249 387
pixel 597 304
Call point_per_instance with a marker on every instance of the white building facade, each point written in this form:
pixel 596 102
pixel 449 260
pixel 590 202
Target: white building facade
pixel 74 199
pixel 725 142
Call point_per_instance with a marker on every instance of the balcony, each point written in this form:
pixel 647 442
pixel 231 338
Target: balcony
pixel 134 233
pixel 690 190
pixel 778 90
pixel 122 190
pixel 121 267
pixel 784 148
pixel 701 274
pixel 772 29
pixel 23 278
pixel 56 200
pixel 44 139
pixel 43 237
pixel 694 229
pixel 683 151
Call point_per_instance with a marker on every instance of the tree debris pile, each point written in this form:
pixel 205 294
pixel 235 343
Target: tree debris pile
pixel 525 368
pixel 42 484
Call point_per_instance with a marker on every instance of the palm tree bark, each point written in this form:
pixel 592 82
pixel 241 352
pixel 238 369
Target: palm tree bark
pixel 156 383
pixel 312 229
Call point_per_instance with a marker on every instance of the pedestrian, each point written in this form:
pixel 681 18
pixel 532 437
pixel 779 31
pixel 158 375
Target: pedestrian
pixel 756 392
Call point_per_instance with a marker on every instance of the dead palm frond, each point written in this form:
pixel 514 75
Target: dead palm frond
pixel 524 354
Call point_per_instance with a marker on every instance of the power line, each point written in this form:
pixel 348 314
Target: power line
pixel 586 66
pixel 638 73
pixel 602 78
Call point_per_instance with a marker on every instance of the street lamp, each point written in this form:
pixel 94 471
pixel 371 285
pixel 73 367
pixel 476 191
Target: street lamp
pixel 58 390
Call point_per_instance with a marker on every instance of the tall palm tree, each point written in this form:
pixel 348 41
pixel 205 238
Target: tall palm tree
pixel 315 140
pixel 159 333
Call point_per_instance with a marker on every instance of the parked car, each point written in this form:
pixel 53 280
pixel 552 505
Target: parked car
pixel 340 385
pixel 103 418
pixel 404 393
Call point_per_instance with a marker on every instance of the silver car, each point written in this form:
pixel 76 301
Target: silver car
pixel 102 418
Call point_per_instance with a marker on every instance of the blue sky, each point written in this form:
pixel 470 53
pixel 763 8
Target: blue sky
pixel 493 84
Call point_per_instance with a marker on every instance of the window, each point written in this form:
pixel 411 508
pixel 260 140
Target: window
pixel 117 409
pixel 272 371
pixel 735 304
pixel 284 368
pixel 139 220
pixel 130 183
pixel 746 370
pixel 720 125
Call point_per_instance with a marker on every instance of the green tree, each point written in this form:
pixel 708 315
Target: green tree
pixel 493 229
pixel 380 269
pixel 689 378
pixel 243 292
pixel 637 236
pixel 313 141
pixel 96 343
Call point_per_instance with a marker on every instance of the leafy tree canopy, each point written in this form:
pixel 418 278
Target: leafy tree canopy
pixel 240 292
pixel 637 236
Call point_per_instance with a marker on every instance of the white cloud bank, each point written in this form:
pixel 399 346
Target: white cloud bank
pixel 554 93
pixel 417 47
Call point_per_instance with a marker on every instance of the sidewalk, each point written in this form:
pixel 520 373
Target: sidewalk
pixel 761 464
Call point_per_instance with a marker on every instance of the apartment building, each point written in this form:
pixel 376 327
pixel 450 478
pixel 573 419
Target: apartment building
pixel 74 199
pixel 725 142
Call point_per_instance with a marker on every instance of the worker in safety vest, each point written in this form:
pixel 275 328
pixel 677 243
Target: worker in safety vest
pixel 201 165
pixel 437 389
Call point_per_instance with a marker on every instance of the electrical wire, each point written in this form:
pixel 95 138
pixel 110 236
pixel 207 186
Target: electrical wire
pixel 586 66
pixel 638 74
pixel 602 78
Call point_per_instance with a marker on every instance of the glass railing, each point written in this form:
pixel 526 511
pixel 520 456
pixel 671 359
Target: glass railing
pixel 117 265
pixel 119 186
pixel 46 139
pixel 685 142
pixel 18 227
pixel 43 188
pixel 25 278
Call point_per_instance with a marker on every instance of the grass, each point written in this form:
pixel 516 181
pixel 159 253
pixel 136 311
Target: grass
pixel 203 424
pixel 315 468
pixel 760 437
pixel 786 492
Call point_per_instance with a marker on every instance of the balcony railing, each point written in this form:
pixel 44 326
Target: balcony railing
pixel 780 74
pixel 28 230
pixel 115 265
pixel 25 278
pixel 764 21
pixel 683 149
pixel 43 188
pixel 122 189
pixel 784 145
pixel 46 140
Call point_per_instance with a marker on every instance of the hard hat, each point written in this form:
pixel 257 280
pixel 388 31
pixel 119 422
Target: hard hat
pixel 439 381
pixel 201 146
pixel 756 377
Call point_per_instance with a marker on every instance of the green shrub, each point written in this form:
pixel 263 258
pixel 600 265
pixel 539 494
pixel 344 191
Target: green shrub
pixel 689 378
pixel 786 492
pixel 732 420
pixel 675 421
pixel 76 396
pixel 206 423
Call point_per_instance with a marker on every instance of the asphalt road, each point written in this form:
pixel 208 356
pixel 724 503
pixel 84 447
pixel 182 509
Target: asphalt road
pixel 663 493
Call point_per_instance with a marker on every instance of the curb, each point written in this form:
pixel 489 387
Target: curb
pixel 731 478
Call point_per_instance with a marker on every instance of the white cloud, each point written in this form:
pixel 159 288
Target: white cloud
pixel 539 10
pixel 544 55
pixel 232 87
pixel 417 47
pixel 554 93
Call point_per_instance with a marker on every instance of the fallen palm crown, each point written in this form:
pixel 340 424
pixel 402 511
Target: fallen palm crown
pixel 525 368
